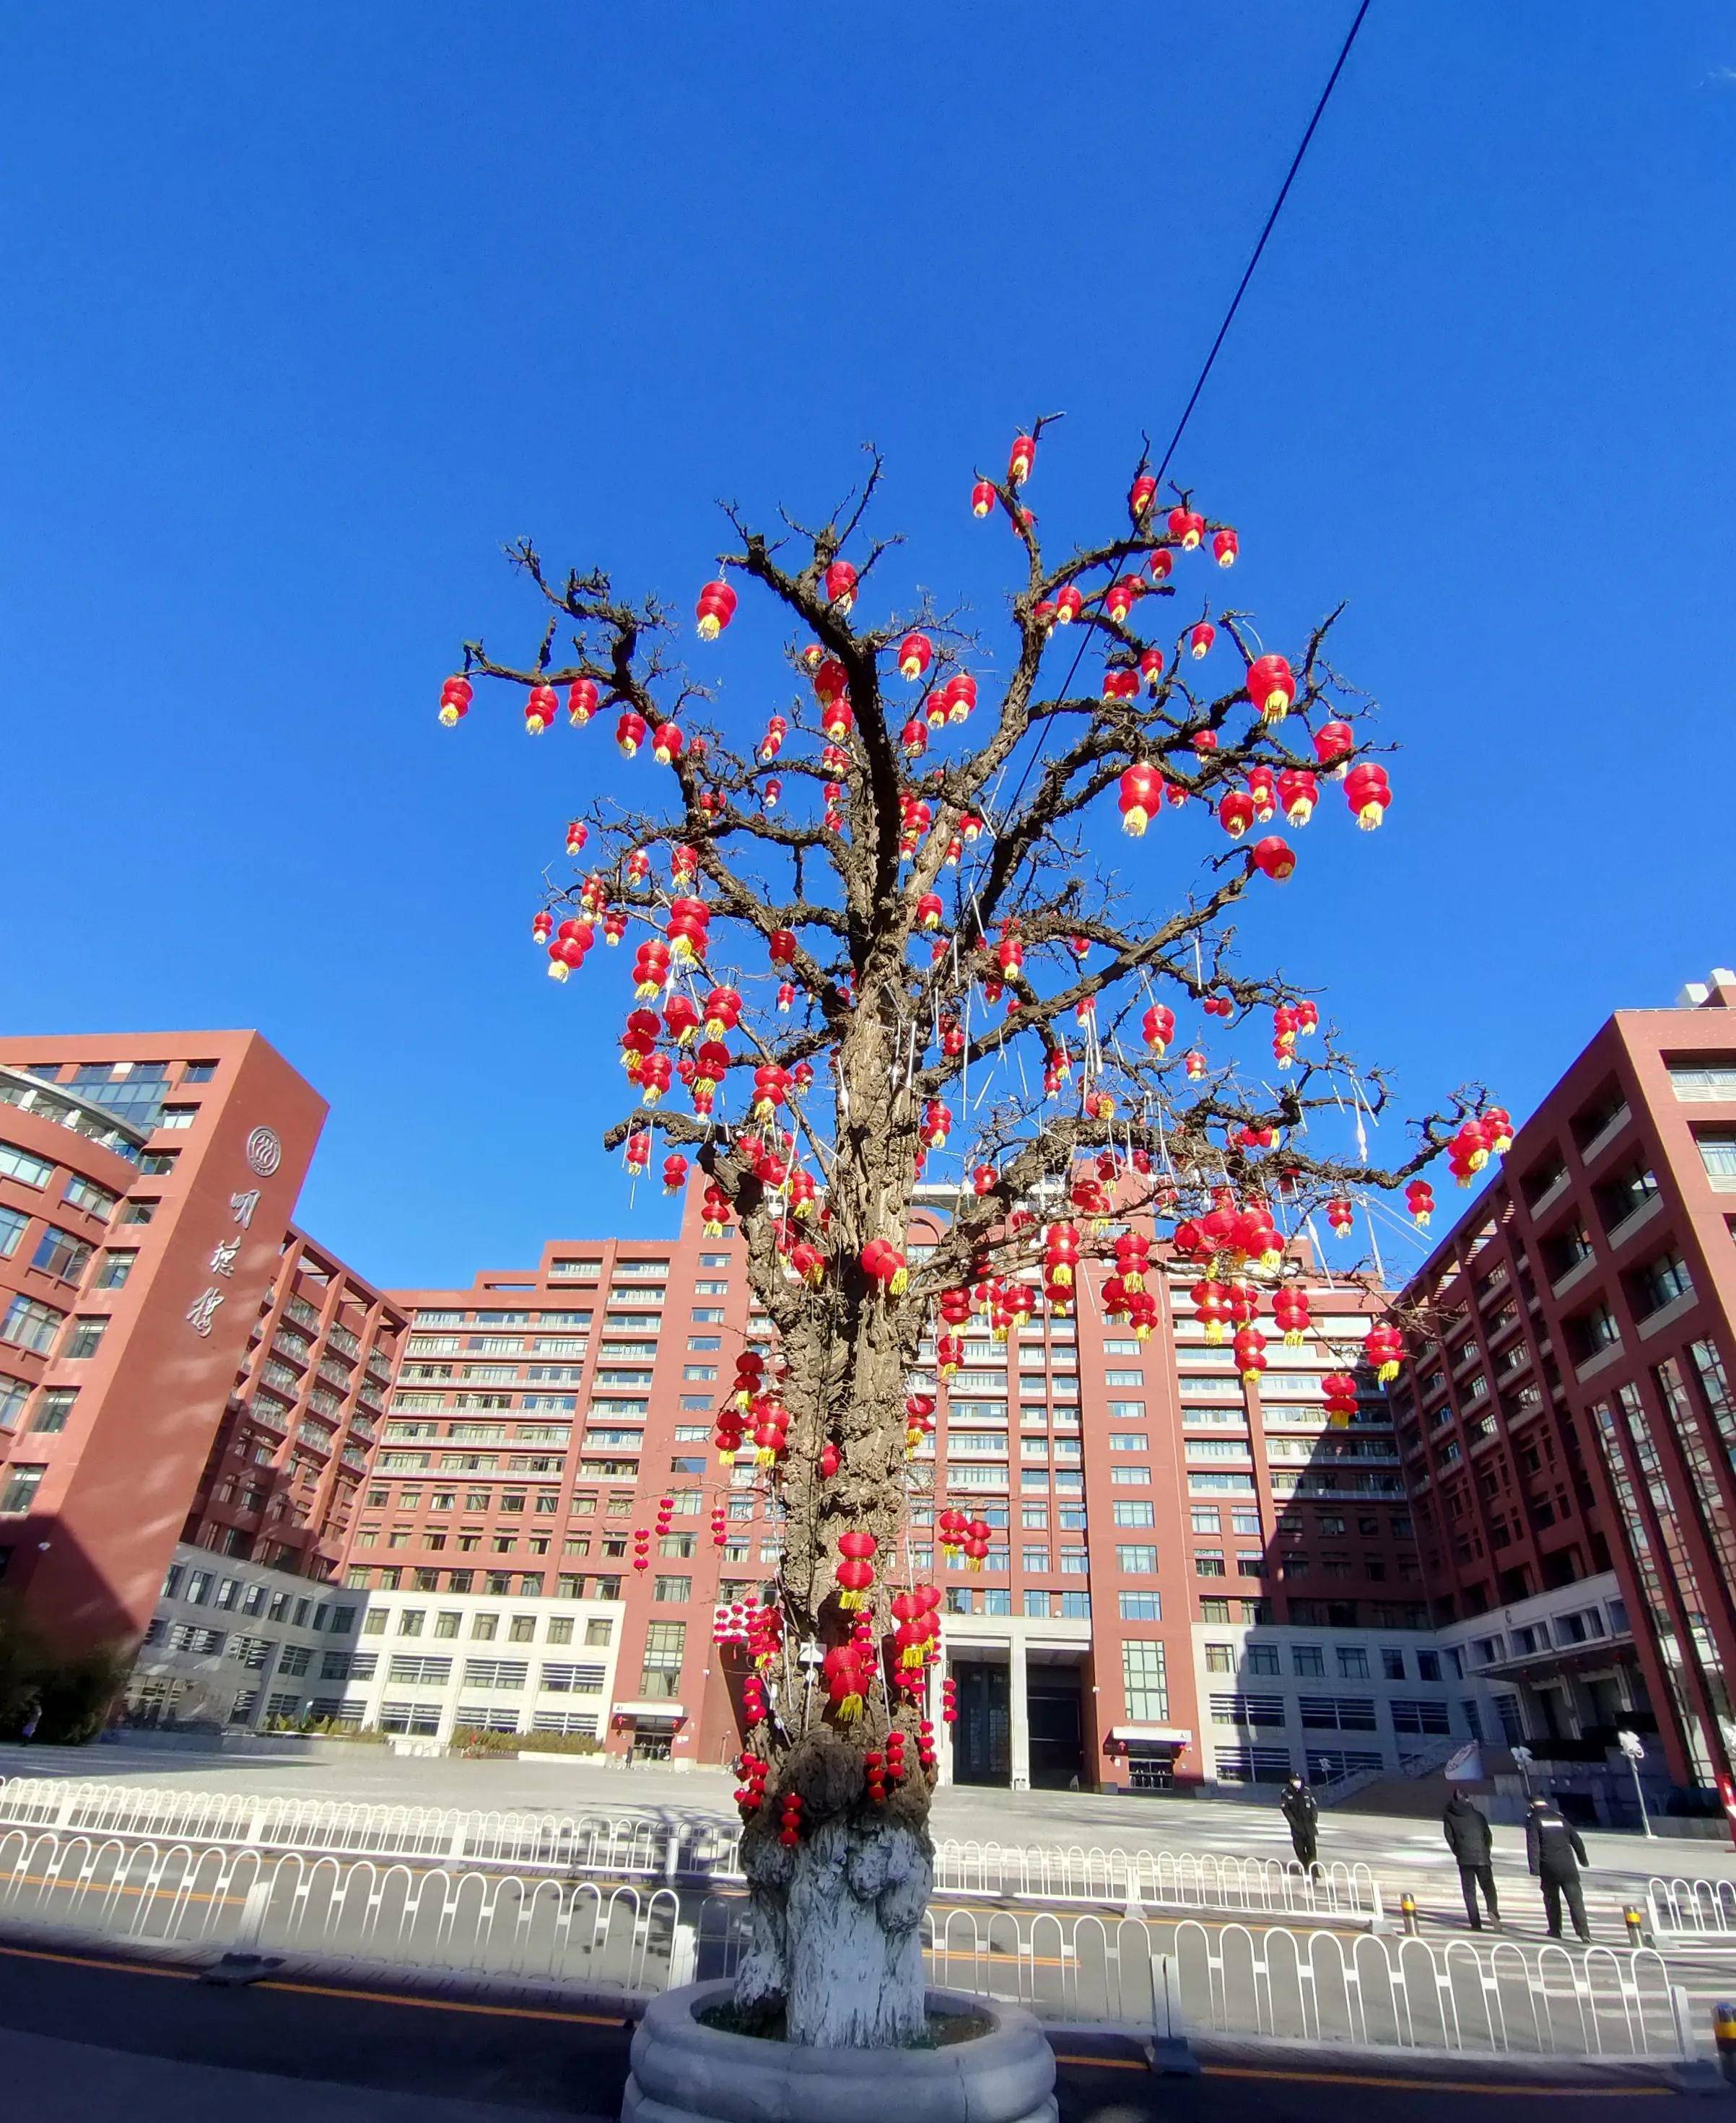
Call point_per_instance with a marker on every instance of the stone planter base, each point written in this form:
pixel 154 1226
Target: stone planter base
pixel 684 2072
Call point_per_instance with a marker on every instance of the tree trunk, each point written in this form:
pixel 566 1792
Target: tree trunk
pixel 837 1933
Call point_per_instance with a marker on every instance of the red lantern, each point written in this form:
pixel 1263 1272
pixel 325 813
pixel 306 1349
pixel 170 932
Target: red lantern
pixel 983 496
pixel 1142 791
pixel 840 585
pixel 581 702
pixel 1273 857
pixel 1366 792
pixel 716 608
pixel 1333 744
pixel 456 696
pixel 541 709
pixel 1200 639
pixel 630 734
pixel 1023 457
pixel 1141 495
pixel 1118 599
pixel 1069 604
pixel 1186 526
pixel 1235 812
pixel 916 653
pixel 665 743
pixel 1420 1200
pixel 1271 686
pixel 1298 792
pixel 1159 1028
pixel 1226 548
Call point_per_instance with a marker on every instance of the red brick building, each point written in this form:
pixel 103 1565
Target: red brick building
pixel 1161 1533
pixel 177 1363
pixel 1569 1440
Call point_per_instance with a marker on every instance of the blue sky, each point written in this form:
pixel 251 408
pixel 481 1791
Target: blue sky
pixel 305 314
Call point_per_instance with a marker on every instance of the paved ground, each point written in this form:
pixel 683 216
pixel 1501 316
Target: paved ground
pixel 1402 1853
pixel 160 2047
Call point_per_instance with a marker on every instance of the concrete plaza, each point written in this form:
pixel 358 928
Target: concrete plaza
pixel 1402 1852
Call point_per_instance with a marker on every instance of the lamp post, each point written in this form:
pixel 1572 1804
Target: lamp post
pixel 1634 1747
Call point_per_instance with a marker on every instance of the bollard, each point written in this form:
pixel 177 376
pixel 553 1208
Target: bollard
pixel 1635 1919
pixel 1407 1911
pixel 1724 2034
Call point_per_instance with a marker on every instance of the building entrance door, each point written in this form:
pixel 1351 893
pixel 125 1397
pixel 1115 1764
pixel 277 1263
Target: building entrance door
pixel 1057 1728
pixel 981 1739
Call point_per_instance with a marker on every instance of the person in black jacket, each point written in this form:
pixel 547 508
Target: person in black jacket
pixel 1554 1854
pixel 1302 1809
pixel 1468 1838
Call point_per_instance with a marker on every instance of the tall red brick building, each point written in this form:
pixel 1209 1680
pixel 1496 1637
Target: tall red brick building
pixel 1188 1579
pixel 177 1363
pixel 1570 1438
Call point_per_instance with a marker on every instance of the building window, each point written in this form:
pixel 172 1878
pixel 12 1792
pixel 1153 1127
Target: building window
pixel 1709 1080
pixel 24 1166
pixel 1353 1662
pixel 1308 1662
pixel 1660 1282
pixel 1143 1680
pixel 86 1337
pixel 1136 1561
pixel 13 1225
pixel 14 1393
pixel 1129 1514
pixel 28 1323
pixel 1209 1561
pixel 113 1269
pixel 54 1405
pixel 1392 1664
pixel 18 1486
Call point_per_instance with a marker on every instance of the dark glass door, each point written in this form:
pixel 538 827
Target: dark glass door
pixel 981 1739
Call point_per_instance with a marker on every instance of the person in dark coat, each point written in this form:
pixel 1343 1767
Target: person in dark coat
pixel 1302 1809
pixel 1467 1829
pixel 1554 1854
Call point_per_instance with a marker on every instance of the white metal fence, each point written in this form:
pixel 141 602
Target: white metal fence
pixel 636 1846
pixel 495 1923
pixel 642 1847
pixel 1697 1912
pixel 1315 1986
pixel 1361 1991
pixel 1159 1879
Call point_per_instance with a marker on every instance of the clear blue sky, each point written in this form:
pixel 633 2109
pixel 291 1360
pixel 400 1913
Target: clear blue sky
pixel 308 309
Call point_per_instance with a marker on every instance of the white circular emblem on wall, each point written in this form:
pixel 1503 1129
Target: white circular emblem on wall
pixel 265 1152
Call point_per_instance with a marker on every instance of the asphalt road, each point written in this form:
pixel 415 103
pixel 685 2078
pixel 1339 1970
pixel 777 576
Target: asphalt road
pixel 95 2037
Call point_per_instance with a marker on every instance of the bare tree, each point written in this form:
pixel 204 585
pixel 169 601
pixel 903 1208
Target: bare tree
pixel 885 910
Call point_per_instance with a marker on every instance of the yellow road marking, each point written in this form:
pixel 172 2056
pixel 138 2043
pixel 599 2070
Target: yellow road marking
pixel 91 1961
pixel 443 2004
pixel 1435 2085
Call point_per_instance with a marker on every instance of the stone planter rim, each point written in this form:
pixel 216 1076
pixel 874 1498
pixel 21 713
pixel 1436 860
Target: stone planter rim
pixel 683 2067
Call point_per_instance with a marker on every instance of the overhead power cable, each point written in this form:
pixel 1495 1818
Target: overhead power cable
pixel 1223 332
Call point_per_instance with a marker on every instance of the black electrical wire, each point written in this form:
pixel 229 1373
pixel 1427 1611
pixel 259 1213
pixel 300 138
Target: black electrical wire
pixel 1229 318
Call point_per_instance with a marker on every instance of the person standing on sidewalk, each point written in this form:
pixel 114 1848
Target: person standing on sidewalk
pixel 1554 1854
pixel 1302 1809
pixel 1467 1829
